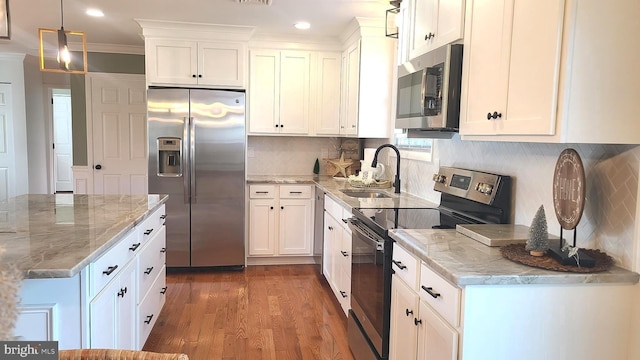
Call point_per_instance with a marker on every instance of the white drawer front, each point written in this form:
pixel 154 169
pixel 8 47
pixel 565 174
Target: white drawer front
pixel 107 266
pixel 150 307
pixel 440 294
pixel 151 225
pixel 295 191
pixel 406 266
pixel 262 191
pixel 150 262
pixel 333 208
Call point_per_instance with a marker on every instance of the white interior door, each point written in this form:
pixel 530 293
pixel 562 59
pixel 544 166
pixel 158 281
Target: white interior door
pixel 7 154
pixel 119 127
pixel 62 141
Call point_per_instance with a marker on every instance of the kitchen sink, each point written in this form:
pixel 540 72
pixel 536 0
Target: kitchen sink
pixel 373 194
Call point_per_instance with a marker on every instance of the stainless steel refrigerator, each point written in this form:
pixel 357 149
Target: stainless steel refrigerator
pixel 197 156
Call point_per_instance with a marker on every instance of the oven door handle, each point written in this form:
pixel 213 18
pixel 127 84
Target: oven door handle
pixel 353 224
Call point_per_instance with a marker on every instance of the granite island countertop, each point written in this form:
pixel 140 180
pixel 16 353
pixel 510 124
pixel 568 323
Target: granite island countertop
pixel 332 187
pixel 464 261
pixel 55 236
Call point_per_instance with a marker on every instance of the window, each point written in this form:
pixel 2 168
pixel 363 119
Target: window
pixel 413 148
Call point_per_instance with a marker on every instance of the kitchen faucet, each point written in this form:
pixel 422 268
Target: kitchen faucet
pixel 374 163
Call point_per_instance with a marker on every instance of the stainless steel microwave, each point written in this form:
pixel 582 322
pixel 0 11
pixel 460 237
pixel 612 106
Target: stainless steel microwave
pixel 428 98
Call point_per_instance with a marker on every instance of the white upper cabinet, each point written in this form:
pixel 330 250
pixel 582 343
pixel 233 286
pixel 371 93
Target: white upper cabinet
pixel 196 55
pixel 327 93
pixel 434 23
pixel 367 81
pixel 552 71
pixel 179 62
pixel 279 92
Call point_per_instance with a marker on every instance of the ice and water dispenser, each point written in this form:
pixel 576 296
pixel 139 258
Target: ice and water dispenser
pixel 169 156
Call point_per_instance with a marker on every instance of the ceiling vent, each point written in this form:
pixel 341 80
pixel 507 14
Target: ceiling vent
pixel 262 2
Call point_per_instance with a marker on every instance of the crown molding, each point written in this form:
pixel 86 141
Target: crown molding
pixel 185 30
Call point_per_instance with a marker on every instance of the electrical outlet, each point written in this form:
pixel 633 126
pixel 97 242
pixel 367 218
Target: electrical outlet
pixel 250 152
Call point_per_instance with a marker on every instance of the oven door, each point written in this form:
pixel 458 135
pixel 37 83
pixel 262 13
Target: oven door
pixel 370 286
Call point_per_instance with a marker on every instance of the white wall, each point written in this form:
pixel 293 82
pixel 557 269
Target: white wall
pixel 12 72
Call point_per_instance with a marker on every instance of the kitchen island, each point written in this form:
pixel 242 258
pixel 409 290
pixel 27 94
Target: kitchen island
pixel 92 265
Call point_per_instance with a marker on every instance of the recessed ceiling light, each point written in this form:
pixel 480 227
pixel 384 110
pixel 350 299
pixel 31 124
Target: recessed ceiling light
pixel 95 12
pixel 302 25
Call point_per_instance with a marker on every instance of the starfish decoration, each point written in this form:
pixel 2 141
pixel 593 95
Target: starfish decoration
pixel 341 165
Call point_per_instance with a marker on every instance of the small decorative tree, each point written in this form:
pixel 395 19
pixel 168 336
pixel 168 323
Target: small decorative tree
pixel 538 242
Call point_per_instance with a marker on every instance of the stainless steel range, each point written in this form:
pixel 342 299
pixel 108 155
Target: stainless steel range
pixel 468 197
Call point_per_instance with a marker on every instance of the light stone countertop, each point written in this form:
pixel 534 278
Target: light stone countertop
pixel 464 261
pixel 332 187
pixel 56 236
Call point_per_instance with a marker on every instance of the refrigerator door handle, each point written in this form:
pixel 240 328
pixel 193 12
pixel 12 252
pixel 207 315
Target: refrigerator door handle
pixel 185 156
pixel 192 150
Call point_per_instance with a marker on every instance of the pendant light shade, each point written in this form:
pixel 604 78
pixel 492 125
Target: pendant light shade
pixel 55 52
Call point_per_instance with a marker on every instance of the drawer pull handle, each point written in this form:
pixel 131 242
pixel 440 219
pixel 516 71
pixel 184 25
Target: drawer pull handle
pixel 399 264
pixel 330 228
pixel 149 317
pixel 134 247
pixel 163 291
pixel 344 253
pixel 148 271
pixel 163 250
pixel 262 192
pixel 110 269
pixel 122 292
pixel 416 321
pixel 163 217
pixel 429 290
pixel 344 294
pixel 295 192
pixel 408 312
pixel 149 231
pixel 344 221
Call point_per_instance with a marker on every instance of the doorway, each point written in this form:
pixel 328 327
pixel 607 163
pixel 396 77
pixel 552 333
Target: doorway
pixel 62 141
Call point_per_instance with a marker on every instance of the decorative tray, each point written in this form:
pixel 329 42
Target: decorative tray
pixel 383 184
pixel 517 253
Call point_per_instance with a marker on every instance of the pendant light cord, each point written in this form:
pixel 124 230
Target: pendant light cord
pixel 62 14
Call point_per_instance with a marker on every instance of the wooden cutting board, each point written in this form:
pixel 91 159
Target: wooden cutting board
pixel 495 234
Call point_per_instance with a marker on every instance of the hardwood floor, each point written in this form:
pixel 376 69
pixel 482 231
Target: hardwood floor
pixel 264 312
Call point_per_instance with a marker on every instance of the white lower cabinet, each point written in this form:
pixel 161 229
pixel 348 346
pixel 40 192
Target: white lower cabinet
pixel 433 319
pixel 280 220
pixel 417 330
pixel 337 252
pixel 112 313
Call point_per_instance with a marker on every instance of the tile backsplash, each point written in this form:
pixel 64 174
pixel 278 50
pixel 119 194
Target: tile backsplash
pixel 289 155
pixel 608 221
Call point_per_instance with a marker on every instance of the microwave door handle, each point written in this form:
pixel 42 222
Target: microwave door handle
pixel 423 91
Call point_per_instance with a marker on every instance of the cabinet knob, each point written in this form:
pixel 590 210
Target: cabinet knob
pixel 429 36
pixel 281 125
pixel 281 207
pixel 193 76
pixel 408 312
pixel 277 125
pixel 199 75
pixel 163 250
pixel 271 207
pixel 416 321
pixel 488 116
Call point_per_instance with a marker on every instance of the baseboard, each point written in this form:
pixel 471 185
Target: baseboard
pixel 281 260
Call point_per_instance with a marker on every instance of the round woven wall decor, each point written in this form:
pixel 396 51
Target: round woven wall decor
pixel 517 253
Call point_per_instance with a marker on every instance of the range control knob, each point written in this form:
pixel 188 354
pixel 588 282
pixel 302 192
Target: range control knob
pixel 439 178
pixel 484 188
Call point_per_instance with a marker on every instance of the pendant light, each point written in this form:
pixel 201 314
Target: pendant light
pixel 64 61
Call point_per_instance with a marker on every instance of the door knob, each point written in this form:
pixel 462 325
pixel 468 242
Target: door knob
pixel 98 167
